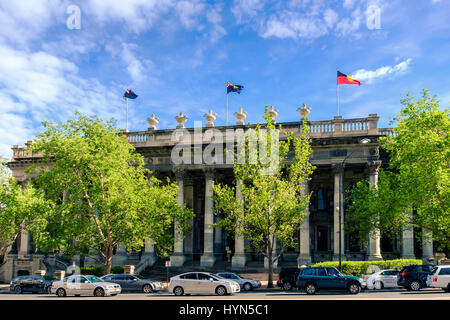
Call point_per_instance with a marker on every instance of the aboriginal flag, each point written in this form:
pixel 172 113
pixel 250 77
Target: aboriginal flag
pixel 344 79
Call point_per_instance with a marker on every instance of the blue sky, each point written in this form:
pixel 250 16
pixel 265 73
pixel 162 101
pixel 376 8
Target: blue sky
pixel 178 55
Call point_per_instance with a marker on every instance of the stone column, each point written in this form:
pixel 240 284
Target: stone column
pixel 373 248
pixel 121 256
pixel 408 241
pixel 427 246
pixel 218 240
pixel 239 259
pixel 208 258
pixel 304 255
pixel 178 258
pixel 338 226
pixel 149 252
pixel 24 244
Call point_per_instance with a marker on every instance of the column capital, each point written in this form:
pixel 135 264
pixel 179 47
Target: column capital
pixel 179 171
pixel 374 166
pixel 338 167
pixel 209 172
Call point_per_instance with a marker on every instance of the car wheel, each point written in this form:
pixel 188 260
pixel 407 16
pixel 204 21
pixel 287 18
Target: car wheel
pixel 354 288
pixel 99 292
pixel 415 285
pixel 221 291
pixel 310 288
pixel 147 288
pixel 287 286
pixel 248 286
pixel 18 289
pixel 379 285
pixel 447 289
pixel 61 292
pixel 178 291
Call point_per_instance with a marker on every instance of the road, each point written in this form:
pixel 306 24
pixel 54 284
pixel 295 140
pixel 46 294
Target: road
pixel 260 294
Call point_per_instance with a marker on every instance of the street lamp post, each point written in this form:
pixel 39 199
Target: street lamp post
pixel 341 200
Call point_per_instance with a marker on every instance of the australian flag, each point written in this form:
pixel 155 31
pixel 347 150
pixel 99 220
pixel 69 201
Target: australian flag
pixel 234 88
pixel 130 94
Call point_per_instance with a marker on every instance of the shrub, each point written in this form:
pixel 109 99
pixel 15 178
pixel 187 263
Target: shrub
pixel 359 268
pixel 96 271
pixel 117 270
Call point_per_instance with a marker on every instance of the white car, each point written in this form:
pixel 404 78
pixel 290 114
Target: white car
pixel 245 283
pixel 382 279
pixel 440 278
pixel 84 285
pixel 202 282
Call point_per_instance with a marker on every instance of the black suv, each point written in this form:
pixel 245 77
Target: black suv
pixel 414 277
pixel 313 279
pixel 34 284
pixel 287 278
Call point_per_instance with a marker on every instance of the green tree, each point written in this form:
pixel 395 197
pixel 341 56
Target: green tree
pixel 21 209
pixel 104 193
pixel 273 191
pixel 419 176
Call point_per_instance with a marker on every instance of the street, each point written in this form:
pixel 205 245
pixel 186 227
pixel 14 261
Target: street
pixel 260 294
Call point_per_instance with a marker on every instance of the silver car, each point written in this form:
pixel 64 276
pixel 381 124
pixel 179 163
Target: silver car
pixel 84 285
pixel 202 282
pixel 130 282
pixel 245 283
pixel 382 279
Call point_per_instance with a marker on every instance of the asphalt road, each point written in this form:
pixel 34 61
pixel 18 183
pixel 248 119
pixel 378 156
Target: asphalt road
pixel 259 294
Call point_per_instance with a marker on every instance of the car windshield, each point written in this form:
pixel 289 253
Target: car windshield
pixel 138 277
pixel 219 277
pixel 94 279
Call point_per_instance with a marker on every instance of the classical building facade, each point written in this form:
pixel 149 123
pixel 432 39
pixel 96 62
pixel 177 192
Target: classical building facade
pixel 344 152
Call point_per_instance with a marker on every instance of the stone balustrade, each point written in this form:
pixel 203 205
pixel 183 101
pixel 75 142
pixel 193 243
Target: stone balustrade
pixel 317 129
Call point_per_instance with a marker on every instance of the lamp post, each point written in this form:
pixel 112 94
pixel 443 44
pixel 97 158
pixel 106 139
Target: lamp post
pixel 341 200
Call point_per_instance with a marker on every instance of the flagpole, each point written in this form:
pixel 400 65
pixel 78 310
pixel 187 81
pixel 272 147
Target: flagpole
pixel 127 113
pixel 337 93
pixel 226 116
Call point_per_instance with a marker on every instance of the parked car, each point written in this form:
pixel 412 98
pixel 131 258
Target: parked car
pixel 245 283
pixel 287 278
pixel 440 278
pixel 382 279
pixel 414 277
pixel 130 282
pixel 202 282
pixel 35 284
pixel 85 285
pixel 313 279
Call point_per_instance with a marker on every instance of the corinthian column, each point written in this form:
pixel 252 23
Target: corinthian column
pixel 239 259
pixel 373 248
pixel 178 258
pixel 304 255
pixel 338 222
pixel 408 241
pixel 208 258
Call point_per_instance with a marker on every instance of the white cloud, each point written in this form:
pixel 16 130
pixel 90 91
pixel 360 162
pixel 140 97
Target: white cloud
pixel 382 72
pixel 246 9
pixel 331 17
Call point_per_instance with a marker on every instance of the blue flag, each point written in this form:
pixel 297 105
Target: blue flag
pixel 130 94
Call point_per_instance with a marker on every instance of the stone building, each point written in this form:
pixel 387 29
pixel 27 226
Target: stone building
pixel 344 149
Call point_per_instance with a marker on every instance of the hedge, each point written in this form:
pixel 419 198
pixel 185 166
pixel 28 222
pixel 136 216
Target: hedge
pixel 99 271
pixel 359 268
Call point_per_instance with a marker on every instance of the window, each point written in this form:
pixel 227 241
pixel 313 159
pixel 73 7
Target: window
pixel 190 276
pixel 321 272
pixel 119 277
pixel 444 271
pixel 129 278
pixel 332 272
pixel 320 200
pixel 308 272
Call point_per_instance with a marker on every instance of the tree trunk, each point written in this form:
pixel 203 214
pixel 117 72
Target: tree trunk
pixel 108 260
pixel 269 257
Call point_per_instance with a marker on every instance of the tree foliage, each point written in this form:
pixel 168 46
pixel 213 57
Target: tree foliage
pixel 419 163
pixel 273 192
pixel 104 193
pixel 21 209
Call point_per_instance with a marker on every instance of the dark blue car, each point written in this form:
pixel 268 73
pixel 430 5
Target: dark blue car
pixel 313 279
